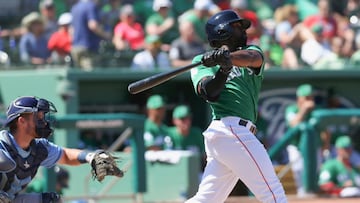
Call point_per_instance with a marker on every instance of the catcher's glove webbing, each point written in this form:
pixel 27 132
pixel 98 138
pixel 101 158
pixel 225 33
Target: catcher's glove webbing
pixel 104 164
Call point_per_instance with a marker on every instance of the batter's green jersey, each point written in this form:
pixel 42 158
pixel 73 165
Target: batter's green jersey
pixel 241 92
pixel 336 172
pixel 194 140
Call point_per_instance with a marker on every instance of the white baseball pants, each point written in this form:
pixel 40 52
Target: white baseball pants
pixel 233 153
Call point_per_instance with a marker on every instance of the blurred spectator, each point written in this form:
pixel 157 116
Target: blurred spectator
pixel 28 6
pixel 314 47
pixel 38 185
pixel 186 47
pixel 47 11
pixel 62 179
pixel 344 28
pixel 255 30
pixel 294 115
pixel 336 59
pixel 128 34
pixel 109 14
pixel 33 44
pixel 152 58
pixel 94 139
pixel 273 52
pixel 143 10
pixel 62 6
pixel 324 18
pixel 339 7
pixel 288 35
pixel 353 14
pixel 199 15
pixel 4 56
pixel 4 59
pixel 60 41
pixel 88 33
pixel 334 131
pixel 355 58
pixel 162 23
pixel 338 177
pixel 155 130
pixel 180 6
pixel 223 4
pixel 184 135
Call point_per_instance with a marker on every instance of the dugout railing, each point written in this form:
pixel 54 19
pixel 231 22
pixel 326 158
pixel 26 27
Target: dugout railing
pixel 309 139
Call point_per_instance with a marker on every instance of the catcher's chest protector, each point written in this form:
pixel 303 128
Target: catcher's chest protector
pixel 26 168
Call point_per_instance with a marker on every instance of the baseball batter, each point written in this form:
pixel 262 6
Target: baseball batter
pixel 230 83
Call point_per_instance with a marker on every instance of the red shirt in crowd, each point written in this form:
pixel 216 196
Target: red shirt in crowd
pixel 60 42
pixel 134 34
pixel 329 25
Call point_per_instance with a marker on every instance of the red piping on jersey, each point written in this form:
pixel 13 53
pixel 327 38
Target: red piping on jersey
pixel 257 165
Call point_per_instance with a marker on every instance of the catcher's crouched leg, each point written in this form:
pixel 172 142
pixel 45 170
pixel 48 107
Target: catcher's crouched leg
pixel 47 197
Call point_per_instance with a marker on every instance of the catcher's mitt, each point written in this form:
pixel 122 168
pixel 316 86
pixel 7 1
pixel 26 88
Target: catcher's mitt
pixel 103 164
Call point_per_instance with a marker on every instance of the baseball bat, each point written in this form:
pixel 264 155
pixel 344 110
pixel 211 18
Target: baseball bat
pixel 157 79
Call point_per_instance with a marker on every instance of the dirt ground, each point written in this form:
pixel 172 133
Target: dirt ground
pixel 292 199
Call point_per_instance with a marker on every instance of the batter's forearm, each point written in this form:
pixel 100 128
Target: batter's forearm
pixel 210 87
pixel 247 58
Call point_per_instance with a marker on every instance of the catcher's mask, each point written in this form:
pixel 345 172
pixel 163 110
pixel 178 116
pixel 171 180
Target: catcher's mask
pixel 29 104
pixel 218 27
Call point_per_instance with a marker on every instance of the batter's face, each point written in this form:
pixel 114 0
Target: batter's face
pixel 239 37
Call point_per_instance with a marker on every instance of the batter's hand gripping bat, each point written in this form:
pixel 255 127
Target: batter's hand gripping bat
pixel 157 79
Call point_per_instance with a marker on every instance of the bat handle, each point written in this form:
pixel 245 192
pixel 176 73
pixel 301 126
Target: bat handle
pixel 155 80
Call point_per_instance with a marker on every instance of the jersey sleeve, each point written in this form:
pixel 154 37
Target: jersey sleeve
pixel 258 49
pixel 54 153
pixel 201 71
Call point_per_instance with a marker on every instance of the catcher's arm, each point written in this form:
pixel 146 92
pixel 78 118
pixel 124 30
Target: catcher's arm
pixel 101 161
pixel 102 164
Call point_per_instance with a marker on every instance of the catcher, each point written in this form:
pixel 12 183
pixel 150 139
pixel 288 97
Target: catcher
pixel 24 147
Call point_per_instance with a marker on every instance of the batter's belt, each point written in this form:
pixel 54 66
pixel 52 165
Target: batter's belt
pixel 247 124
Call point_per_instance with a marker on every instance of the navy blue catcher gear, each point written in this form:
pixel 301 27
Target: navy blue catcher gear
pixel 30 104
pixel 218 27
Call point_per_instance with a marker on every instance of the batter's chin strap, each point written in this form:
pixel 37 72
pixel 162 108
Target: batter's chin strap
pixel 50 197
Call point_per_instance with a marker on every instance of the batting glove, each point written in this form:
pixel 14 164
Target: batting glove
pixel 218 57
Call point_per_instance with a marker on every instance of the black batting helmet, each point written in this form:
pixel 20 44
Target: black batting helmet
pixel 218 26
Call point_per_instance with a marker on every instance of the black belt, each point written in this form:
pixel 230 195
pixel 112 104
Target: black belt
pixel 244 123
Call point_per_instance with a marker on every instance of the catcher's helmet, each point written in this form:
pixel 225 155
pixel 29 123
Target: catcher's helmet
pixel 218 26
pixel 27 104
